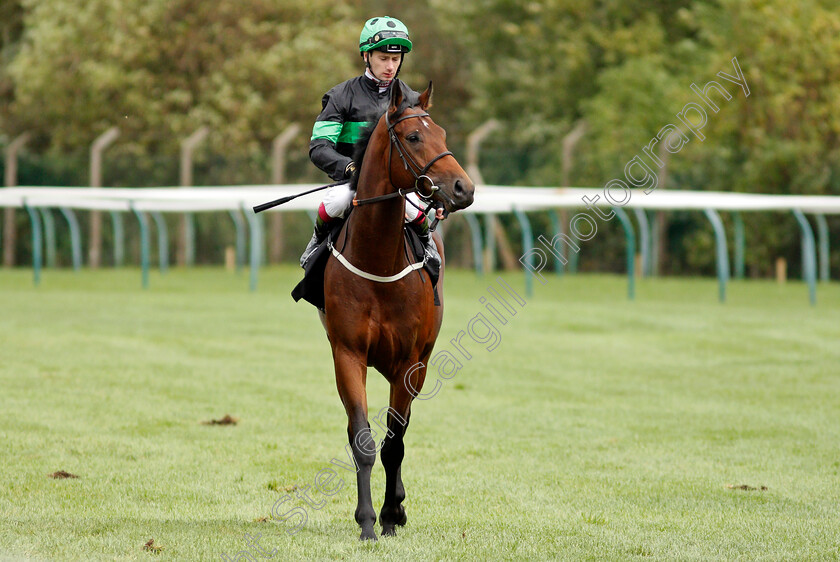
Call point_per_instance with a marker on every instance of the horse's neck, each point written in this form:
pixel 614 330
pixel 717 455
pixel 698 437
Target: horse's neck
pixel 376 230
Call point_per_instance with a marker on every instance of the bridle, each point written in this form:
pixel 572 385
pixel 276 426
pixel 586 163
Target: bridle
pixel 408 161
pixel 418 171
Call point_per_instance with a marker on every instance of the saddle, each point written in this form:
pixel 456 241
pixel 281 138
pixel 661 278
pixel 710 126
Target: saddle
pixel 311 287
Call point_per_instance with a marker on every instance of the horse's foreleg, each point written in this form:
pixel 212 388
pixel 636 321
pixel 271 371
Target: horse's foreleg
pixel 350 379
pixel 393 451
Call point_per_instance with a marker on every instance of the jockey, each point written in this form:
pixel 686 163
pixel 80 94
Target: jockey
pixel 347 109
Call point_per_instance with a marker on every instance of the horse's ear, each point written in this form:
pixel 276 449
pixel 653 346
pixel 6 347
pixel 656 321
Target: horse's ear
pixel 396 97
pixel 426 98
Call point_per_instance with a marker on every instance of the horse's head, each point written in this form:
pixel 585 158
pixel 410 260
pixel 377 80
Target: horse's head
pixel 419 156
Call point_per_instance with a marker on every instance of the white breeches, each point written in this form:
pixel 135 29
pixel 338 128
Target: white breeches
pixel 338 199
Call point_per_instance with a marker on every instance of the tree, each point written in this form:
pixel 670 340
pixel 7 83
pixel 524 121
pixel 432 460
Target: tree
pixel 11 28
pixel 160 69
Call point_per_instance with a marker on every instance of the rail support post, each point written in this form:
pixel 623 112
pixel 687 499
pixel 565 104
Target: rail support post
pixel 721 252
pixel 822 234
pixel 186 240
pixel 163 241
pixel 9 228
pixel 99 145
pixel 739 245
pixel 809 255
pixel 256 242
pixel 239 225
pixel 35 220
pixel 630 238
pixel 279 149
pixel 644 241
pixel 475 231
pixel 75 237
pixel 144 243
pixel 527 246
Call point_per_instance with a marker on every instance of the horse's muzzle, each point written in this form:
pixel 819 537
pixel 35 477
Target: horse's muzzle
pixel 463 191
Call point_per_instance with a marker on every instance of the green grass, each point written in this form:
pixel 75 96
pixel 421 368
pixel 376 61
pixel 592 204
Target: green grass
pixel 598 429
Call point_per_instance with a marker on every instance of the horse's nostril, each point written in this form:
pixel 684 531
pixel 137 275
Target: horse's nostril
pixel 459 187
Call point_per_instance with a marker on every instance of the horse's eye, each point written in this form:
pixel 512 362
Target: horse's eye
pixel 413 137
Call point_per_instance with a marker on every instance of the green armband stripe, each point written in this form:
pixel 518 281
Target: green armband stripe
pixel 351 131
pixel 329 130
pixel 348 132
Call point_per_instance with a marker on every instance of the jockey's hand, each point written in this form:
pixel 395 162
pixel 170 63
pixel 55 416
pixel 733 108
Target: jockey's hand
pixel 439 214
pixel 349 170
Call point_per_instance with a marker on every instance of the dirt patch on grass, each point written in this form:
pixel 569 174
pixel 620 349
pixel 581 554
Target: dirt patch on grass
pixel 62 474
pixel 276 486
pixel 745 487
pixel 227 420
pixel 150 546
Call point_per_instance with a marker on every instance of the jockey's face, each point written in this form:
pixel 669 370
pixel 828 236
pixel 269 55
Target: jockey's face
pixel 384 65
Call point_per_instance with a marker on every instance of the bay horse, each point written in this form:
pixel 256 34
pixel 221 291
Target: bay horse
pixel 376 316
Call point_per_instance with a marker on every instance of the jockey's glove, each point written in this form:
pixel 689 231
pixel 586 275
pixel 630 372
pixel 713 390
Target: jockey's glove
pixel 348 171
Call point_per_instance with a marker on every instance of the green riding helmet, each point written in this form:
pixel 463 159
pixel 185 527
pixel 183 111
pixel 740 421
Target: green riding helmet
pixel 385 34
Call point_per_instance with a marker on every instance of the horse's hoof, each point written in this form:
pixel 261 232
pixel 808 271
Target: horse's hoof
pixel 403 517
pixel 368 535
pixel 389 531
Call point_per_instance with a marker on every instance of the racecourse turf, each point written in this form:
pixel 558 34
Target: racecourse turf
pixel 671 427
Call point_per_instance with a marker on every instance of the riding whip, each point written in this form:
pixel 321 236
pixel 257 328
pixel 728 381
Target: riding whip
pixel 288 198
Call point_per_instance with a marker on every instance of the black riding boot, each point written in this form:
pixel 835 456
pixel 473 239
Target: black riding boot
pixel 321 231
pixel 422 229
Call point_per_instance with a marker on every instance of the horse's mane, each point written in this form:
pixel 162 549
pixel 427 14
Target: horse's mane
pixel 359 152
pixel 361 145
